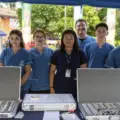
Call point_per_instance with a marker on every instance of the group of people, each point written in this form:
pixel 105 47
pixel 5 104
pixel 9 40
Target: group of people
pixel 47 71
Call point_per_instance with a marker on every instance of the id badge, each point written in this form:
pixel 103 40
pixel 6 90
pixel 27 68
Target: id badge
pixel 68 73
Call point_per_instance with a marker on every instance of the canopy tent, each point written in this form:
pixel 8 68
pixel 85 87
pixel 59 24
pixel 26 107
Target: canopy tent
pixel 97 3
pixel 2 33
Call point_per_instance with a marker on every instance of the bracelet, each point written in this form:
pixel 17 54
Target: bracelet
pixel 51 87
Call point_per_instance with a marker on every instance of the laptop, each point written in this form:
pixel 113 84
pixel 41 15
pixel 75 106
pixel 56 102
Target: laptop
pixel 10 84
pixel 98 93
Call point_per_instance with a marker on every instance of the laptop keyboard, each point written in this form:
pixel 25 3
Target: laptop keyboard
pixel 7 106
pixel 101 108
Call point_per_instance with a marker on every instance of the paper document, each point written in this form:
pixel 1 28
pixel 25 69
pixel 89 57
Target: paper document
pixel 51 115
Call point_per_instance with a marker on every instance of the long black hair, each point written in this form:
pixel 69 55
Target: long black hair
pixel 75 46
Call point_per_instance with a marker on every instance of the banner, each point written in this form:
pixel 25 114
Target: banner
pixel 78 12
pixel 26 24
pixel 111 22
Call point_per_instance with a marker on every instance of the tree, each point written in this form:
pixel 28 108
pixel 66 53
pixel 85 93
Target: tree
pixel 50 18
pixel 90 14
pixel 102 13
pixel 19 13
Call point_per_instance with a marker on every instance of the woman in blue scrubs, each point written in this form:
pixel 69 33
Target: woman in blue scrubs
pixel 16 55
pixel 41 56
pixel 64 64
pixel 97 52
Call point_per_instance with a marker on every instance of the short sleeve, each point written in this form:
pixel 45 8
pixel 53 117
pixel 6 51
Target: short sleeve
pixel 83 58
pixel 28 59
pixel 52 51
pixel 54 58
pixel 112 47
pixel 2 56
pixel 86 50
pixel 93 39
pixel 110 62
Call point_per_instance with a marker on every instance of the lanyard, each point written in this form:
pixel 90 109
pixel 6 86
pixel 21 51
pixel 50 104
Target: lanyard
pixel 68 58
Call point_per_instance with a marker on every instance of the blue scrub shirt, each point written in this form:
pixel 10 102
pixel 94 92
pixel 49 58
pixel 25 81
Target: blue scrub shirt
pixel 61 83
pixel 87 40
pixel 97 56
pixel 113 59
pixel 40 69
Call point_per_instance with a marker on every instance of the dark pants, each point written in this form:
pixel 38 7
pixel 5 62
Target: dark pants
pixel 39 92
pixel 23 94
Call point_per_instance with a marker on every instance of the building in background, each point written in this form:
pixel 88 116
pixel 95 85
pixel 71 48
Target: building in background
pixel 8 21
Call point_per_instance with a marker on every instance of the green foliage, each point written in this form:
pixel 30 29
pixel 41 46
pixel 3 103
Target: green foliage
pixel 102 14
pixel 43 15
pixel 117 33
pixel 19 13
pixel 50 18
pixel 117 43
pixel 117 36
pixel 91 16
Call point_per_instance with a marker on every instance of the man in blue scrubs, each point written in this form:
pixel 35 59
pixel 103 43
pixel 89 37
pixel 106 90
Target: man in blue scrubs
pixel 113 60
pixel 81 30
pixel 41 56
pixel 97 52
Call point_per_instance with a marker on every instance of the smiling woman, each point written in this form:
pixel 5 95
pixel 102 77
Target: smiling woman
pixel 16 55
pixel 41 56
pixel 64 63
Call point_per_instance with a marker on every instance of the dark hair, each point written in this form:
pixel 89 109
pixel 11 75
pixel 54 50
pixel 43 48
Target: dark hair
pixel 39 31
pixel 80 20
pixel 18 33
pixel 101 25
pixel 75 46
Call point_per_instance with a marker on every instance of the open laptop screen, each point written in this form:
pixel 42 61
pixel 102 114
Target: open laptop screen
pixel 98 85
pixel 10 79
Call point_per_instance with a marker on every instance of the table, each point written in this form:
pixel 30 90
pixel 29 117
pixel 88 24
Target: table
pixel 39 115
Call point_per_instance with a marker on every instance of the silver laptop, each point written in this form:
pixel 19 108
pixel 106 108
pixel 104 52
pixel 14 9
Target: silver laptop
pixel 10 82
pixel 98 93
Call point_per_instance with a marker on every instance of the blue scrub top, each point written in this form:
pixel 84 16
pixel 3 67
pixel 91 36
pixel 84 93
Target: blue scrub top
pixel 113 59
pixel 97 56
pixel 61 83
pixel 40 69
pixel 87 40
pixel 21 59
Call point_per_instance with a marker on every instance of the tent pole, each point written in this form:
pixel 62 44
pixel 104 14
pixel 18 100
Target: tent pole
pixel 65 15
pixel 78 13
pixel 0 43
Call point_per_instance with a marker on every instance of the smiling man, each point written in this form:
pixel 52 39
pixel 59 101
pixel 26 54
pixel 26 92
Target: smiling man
pixel 97 52
pixel 81 30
